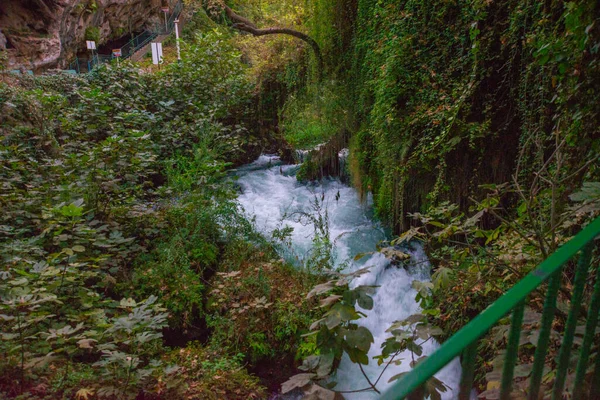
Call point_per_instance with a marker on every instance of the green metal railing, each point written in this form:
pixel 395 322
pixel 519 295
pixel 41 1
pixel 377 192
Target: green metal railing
pixel 74 66
pixel 161 29
pixel 135 44
pixel 464 342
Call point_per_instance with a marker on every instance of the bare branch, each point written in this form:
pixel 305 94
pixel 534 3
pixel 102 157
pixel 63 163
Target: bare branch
pixel 236 18
pixel 574 174
pixel 367 378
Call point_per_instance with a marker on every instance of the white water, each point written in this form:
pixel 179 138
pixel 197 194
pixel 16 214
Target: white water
pixel 270 191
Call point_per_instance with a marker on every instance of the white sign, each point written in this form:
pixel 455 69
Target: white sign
pixel 91 45
pixel 157 53
pixel 116 52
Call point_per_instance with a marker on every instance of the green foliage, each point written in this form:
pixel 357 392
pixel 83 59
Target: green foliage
pixel 258 309
pixel 84 161
pixel 336 333
pixel 410 334
pixel 125 365
pixel 291 321
pixel 455 95
pixel 449 94
pixel 3 61
pixel 477 264
pixel 210 374
pixel 92 7
pixel 41 328
pixel 191 173
pixel 332 24
pixel 316 115
pixel 92 33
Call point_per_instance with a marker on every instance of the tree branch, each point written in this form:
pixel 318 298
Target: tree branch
pixel 236 18
pixel 367 378
pixel 245 25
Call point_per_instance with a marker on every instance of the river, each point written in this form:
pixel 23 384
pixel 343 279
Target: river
pixel 270 194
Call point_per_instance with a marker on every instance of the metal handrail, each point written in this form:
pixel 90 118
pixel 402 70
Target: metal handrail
pixel 74 66
pixel 137 42
pixel 160 27
pixel 465 340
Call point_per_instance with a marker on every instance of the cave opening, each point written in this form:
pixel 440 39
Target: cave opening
pixel 119 43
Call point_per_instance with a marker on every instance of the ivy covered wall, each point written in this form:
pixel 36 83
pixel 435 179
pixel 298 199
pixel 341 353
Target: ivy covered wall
pixel 455 94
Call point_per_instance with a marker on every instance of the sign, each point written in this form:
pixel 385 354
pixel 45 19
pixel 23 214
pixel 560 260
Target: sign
pixel 157 53
pixel 165 9
pixel 91 45
pixel 116 53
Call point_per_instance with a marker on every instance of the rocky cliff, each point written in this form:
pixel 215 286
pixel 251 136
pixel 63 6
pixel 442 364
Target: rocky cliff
pixel 41 34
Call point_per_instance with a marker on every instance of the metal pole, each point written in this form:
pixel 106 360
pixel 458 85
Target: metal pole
pixel 177 39
pixel 166 25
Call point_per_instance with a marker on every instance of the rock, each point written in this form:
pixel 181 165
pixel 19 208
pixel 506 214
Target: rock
pixel 327 159
pixel 40 34
pixel 286 152
pixel 2 41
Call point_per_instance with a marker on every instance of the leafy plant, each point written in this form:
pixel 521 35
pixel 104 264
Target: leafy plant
pixel 89 210
pixel 92 32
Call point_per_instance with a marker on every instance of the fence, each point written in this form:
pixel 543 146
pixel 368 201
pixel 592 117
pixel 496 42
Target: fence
pixel 164 29
pixel 464 342
pixel 134 45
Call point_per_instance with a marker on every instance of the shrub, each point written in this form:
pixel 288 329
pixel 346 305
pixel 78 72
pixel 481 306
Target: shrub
pixel 92 33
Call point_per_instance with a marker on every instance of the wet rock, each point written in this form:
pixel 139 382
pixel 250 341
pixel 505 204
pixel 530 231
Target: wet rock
pixel 327 159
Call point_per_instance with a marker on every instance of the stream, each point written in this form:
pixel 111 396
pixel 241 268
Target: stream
pixel 270 193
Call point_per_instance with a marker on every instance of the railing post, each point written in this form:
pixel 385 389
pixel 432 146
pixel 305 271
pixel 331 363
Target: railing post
pixel 514 300
pixel 567 344
pixel 544 337
pixel 468 371
pixel 512 351
pixel 595 389
pixel 590 332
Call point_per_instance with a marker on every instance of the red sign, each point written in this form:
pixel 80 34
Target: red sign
pixel 116 52
pixel 165 9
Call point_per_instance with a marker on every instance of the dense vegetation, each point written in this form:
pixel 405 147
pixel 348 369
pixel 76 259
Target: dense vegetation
pixel 119 234
pixel 475 126
pixel 128 269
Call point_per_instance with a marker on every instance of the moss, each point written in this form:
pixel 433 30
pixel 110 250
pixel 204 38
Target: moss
pixel 118 33
pixel 92 33
pixel 92 6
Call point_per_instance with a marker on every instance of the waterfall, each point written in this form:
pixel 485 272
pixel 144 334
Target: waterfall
pixel 270 191
pixel 393 301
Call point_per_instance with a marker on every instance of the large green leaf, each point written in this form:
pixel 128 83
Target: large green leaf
pixel 442 278
pixel 361 338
